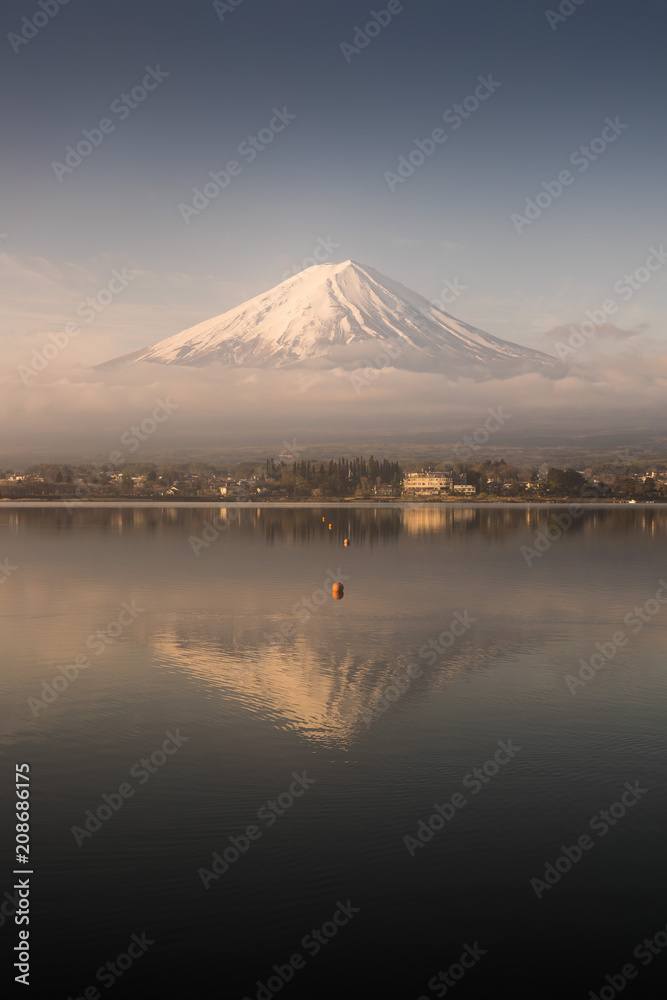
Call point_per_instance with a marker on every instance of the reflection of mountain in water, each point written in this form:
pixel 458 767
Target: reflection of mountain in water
pixel 320 685
pixel 410 569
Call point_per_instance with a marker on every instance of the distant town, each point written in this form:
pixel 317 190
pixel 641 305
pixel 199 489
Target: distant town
pixel 359 479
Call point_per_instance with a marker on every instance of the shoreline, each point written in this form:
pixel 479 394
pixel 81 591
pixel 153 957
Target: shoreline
pixel 258 504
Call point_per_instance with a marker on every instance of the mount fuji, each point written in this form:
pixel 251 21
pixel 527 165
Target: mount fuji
pixel 346 316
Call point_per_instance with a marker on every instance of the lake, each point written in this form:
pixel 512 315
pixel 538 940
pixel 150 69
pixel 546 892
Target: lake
pixel 451 780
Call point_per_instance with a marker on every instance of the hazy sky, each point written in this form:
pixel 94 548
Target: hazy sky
pixel 211 76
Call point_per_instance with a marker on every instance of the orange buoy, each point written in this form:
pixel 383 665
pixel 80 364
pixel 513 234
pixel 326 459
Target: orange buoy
pixel 338 588
pixel 346 542
pixel 329 527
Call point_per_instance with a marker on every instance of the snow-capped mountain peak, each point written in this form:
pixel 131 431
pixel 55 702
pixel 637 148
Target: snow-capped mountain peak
pixel 342 315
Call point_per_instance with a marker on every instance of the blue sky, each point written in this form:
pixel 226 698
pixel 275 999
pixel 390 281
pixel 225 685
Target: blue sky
pixel 323 175
pixel 219 73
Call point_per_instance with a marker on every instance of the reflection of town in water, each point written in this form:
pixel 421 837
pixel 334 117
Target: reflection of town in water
pixel 362 524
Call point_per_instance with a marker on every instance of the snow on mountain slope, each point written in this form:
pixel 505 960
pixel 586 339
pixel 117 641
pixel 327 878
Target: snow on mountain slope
pixel 343 315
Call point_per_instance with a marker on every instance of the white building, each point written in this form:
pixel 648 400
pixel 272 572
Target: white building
pixel 427 482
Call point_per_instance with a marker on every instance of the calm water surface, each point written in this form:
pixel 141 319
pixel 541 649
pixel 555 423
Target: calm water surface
pixel 448 653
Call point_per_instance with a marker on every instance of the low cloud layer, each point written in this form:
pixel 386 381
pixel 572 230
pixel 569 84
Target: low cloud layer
pixel 92 413
pixel 580 343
